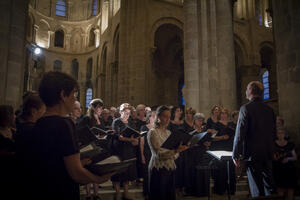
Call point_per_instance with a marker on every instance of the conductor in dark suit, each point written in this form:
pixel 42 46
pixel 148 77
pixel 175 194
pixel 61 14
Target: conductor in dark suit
pixel 254 141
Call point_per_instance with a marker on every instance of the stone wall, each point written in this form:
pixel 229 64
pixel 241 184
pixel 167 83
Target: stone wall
pixel 286 14
pixel 12 41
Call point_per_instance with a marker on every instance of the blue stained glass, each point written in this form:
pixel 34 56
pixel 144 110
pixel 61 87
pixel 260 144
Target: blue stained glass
pixel 266 85
pixel 95 7
pixel 183 102
pixel 88 97
pixel 61 8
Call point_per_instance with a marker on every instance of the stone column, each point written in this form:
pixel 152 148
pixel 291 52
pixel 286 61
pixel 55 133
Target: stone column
pixel 191 53
pixel 225 54
pixel 84 40
pixel 35 30
pixel 286 24
pixel 209 55
pixel 51 39
pixel 67 41
pixel 97 39
pixel 12 50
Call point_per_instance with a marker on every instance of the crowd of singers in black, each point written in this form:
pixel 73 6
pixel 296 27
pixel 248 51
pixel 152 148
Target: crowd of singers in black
pixel 194 166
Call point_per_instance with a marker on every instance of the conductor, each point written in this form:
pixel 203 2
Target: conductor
pixel 254 141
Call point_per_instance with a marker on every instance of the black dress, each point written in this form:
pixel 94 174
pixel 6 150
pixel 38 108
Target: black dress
pixel 23 142
pixel 285 174
pixel 125 150
pixel 180 161
pixel 188 162
pixel 219 172
pixel 8 167
pixel 52 141
pixel 147 154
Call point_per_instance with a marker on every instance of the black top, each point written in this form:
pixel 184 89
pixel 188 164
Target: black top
pixel 284 151
pixel 107 124
pixel 255 132
pixel 7 144
pixel 87 121
pixel 124 149
pixel 139 123
pixel 52 141
pixel 187 127
pixel 225 145
pixel 210 124
pixel 22 138
pixel 176 128
pixel 147 151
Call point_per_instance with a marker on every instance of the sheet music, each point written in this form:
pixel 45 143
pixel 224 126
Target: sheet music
pixel 87 148
pixel 110 160
pixel 220 154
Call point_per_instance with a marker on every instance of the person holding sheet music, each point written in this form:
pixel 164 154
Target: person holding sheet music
pixel 55 154
pixel 125 147
pixel 189 119
pixel 176 126
pixel 140 121
pixel 92 119
pixel 194 157
pixel 146 152
pixel 162 163
pixel 224 141
pixel 31 110
pixel 212 122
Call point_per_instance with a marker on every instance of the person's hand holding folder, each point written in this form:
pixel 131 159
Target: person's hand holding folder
pixel 134 141
pixel 105 177
pixel 182 147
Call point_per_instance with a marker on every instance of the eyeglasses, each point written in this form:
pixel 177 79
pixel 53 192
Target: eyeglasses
pixel 76 94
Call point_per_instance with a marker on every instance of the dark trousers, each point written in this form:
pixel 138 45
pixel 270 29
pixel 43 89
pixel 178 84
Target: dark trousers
pixel 162 184
pixel 260 178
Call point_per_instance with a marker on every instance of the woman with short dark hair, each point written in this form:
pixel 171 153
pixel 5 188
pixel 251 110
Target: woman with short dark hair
pixel 55 155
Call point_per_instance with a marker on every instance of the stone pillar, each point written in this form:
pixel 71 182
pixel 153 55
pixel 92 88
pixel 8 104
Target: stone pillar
pixel 286 24
pixel 67 41
pixel 97 37
pixel 209 55
pixel 191 53
pixel 12 50
pixel 35 30
pixel 51 39
pixel 84 40
pixel 225 54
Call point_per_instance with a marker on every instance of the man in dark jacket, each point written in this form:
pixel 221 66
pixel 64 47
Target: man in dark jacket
pixel 254 141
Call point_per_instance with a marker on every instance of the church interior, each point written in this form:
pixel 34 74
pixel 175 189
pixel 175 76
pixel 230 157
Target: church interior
pixel 191 53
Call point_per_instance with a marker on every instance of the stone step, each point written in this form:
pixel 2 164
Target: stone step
pixel 107 191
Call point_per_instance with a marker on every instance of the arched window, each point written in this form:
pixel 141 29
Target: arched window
pixel 89 69
pixel 59 38
pixel 57 66
pixel 92 37
pixel 61 8
pixel 75 67
pixel 265 81
pixel 95 7
pixel 88 97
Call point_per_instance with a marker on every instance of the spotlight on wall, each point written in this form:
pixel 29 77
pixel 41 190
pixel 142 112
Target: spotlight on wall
pixel 37 51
